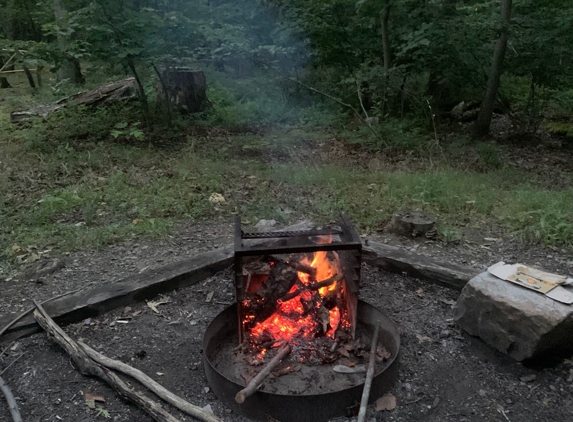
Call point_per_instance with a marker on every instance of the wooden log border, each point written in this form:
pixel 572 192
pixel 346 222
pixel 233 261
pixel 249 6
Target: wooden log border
pixel 136 288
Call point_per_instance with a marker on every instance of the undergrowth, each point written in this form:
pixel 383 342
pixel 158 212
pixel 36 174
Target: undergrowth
pixel 80 180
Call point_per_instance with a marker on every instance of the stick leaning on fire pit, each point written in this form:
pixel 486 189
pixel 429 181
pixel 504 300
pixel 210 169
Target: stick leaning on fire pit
pixel 256 382
pixel 369 375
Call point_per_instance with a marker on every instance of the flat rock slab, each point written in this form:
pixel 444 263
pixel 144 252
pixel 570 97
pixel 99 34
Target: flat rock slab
pixel 518 322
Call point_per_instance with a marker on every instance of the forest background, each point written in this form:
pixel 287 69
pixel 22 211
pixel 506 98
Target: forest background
pixel 460 108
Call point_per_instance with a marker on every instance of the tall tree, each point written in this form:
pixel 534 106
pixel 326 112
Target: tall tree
pixel 70 66
pixel 483 122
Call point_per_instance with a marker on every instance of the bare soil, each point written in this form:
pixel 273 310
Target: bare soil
pixel 445 374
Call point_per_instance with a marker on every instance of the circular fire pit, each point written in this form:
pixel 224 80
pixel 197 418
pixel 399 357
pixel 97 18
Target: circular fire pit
pixel 332 395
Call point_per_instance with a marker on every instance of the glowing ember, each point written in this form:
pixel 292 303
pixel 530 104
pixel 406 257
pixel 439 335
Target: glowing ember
pixel 306 311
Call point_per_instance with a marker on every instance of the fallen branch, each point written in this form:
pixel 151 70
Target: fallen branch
pixel 369 376
pixel 89 367
pixel 12 405
pixel 30 310
pixel 315 286
pixel 151 384
pixel 256 382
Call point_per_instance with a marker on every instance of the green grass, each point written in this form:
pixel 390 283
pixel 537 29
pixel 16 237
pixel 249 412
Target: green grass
pixel 68 184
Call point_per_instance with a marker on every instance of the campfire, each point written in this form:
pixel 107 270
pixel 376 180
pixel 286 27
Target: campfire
pixel 298 328
pixel 301 290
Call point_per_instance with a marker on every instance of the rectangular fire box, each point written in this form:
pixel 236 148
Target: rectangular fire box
pixel 298 284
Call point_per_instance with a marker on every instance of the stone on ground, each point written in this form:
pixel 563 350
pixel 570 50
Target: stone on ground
pixel 516 321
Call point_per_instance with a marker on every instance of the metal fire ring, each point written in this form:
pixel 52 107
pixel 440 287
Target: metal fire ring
pixel 299 408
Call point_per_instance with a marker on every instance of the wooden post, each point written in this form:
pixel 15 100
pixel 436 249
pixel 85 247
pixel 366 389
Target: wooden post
pixel 29 76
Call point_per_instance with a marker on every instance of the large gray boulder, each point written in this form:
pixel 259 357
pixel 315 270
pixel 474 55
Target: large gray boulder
pixel 516 321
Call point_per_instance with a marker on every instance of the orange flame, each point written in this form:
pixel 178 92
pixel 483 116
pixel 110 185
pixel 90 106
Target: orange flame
pixel 293 317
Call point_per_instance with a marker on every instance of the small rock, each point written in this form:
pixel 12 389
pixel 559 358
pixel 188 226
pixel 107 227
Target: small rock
pixel 206 389
pixel 265 225
pixel 528 378
pixel 445 333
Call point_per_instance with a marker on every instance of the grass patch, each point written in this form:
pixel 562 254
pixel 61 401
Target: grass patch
pixel 69 183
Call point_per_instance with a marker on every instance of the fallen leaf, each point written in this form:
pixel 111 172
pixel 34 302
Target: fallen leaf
pixel 92 398
pixel 217 198
pixel 137 221
pixel 382 354
pixel 209 297
pixel 95 397
pixel 343 352
pixel 423 339
pixel 153 304
pixel 386 402
pixel 420 292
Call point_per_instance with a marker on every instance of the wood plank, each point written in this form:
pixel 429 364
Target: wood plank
pixel 136 288
pixel 398 260
pixel 93 302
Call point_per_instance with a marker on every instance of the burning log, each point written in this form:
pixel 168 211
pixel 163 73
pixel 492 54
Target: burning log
pixel 300 267
pixel 313 287
pixel 256 382
pixel 280 281
pixel 369 375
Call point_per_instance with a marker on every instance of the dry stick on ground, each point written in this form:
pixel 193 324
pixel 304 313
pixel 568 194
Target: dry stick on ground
pixel 356 113
pixel 89 367
pixel 148 382
pixel 12 405
pixel 369 376
pixel 252 386
pixel 29 311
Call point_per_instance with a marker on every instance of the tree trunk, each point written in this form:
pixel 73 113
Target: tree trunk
pixel 29 76
pixel 70 67
pixel 385 15
pixel 3 81
pixel 486 110
pixel 183 89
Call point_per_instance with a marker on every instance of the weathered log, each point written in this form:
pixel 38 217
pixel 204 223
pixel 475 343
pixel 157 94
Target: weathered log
pixel 411 223
pixel 183 89
pixel 151 384
pixel 313 287
pixel 87 304
pixel 402 261
pixel 88 367
pixel 280 281
pixel 123 90
pixel 256 382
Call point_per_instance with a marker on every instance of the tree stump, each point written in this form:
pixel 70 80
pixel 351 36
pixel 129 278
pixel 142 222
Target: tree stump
pixel 182 89
pixel 411 223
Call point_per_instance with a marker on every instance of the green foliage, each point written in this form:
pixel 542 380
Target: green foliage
pixel 128 131
pixel 489 153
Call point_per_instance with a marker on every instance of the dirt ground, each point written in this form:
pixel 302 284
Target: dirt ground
pixel 445 375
